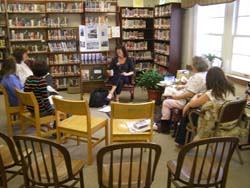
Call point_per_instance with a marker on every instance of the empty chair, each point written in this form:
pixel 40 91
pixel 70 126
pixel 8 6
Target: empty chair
pixel 11 112
pixel 28 99
pixel 202 163
pixel 123 113
pixel 127 165
pixel 49 164
pixel 80 123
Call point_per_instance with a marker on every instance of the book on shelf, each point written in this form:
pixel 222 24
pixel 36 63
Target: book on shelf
pixel 85 74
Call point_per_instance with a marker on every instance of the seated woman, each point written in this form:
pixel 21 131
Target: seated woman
pixel 22 69
pixel 195 84
pixel 38 85
pixel 10 80
pixel 120 71
pixel 219 90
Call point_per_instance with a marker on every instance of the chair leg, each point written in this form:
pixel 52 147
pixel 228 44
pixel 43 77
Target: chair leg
pixel 9 126
pixel 239 155
pixel 81 179
pixel 89 151
pixel 22 126
pixel 169 179
pixel 106 135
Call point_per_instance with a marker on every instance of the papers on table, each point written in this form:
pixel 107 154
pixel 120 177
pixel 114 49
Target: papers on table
pixel 139 126
pixel 105 109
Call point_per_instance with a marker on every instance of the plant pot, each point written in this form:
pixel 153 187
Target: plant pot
pixel 154 95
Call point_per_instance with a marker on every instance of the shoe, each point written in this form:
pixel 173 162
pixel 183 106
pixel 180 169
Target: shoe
pixel 155 127
pixel 109 97
pixel 178 145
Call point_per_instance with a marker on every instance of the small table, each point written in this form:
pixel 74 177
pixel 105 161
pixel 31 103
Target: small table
pixel 246 117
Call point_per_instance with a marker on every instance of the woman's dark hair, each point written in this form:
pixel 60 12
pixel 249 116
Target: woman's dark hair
pixel 218 83
pixel 18 54
pixel 40 68
pixel 8 67
pixel 201 64
pixel 124 51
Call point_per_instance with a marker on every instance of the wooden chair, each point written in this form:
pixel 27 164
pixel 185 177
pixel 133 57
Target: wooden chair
pixel 123 113
pixel 229 115
pixel 80 123
pixel 49 163
pixel 127 165
pixel 199 166
pixel 11 112
pixel 28 99
pixel 9 158
pixel 126 87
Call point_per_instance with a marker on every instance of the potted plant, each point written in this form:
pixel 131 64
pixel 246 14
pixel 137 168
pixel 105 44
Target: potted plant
pixel 214 60
pixel 149 80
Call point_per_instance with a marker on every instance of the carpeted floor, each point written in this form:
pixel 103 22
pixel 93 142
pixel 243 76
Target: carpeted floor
pixel 238 174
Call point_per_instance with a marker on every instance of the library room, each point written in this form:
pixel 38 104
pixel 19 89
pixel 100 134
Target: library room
pixel 124 93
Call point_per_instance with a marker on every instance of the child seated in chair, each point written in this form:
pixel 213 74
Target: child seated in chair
pixel 38 85
pixel 120 71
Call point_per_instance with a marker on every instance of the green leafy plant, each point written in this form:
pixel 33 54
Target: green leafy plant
pixel 149 79
pixel 212 58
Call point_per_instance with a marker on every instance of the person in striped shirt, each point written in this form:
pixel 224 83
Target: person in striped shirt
pixel 37 83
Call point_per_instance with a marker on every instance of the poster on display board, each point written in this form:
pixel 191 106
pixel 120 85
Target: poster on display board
pixel 93 38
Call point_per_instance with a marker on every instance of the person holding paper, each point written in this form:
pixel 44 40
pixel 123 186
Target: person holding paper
pixel 120 71
pixel 196 84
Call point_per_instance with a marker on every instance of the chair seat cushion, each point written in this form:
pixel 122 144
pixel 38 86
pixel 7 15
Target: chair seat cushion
pixel 79 123
pixel 187 166
pixel 125 174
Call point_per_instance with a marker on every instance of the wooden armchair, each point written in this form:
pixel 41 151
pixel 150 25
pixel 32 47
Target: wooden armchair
pixel 127 165
pixel 49 163
pixel 11 112
pixel 202 163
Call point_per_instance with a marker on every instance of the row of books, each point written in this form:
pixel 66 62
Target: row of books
pixel 132 35
pixel 162 34
pixel 144 55
pixel 161 59
pixel 93 58
pixel 2 7
pixel 63 59
pixel 61 82
pixel 26 7
pixel 162 48
pixel 27 22
pixel 2 43
pixel 99 6
pixel 32 48
pixel 62 34
pixel 163 10
pixel 162 23
pixel 90 20
pixel 62 46
pixel 64 70
pixel 143 66
pixel 26 35
pixel 137 12
pixel 127 24
pixel 65 7
pixel 136 45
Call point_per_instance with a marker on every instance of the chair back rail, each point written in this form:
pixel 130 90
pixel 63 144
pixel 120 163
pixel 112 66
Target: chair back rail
pixel 207 160
pixel 127 165
pixel 49 164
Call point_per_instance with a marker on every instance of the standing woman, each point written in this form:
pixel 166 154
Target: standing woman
pixel 22 69
pixel 120 71
pixel 10 80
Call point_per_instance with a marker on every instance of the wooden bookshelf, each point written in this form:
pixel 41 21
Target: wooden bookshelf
pixel 167 37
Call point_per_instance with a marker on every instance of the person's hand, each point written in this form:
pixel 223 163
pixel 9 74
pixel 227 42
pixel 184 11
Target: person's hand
pixel 124 74
pixel 175 97
pixel 185 109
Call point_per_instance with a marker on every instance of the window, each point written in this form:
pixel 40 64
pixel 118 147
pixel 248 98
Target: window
pixel 224 30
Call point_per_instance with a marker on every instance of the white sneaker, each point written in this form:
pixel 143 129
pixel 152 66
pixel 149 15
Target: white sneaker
pixel 155 127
